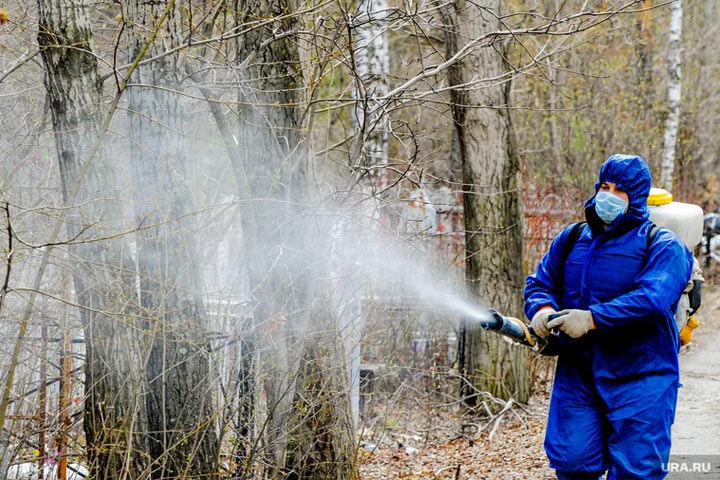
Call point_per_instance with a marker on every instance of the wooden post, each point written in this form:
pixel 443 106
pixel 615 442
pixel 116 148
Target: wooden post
pixel 65 387
pixel 64 405
pixel 42 400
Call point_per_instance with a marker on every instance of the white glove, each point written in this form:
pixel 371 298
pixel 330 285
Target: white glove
pixel 539 322
pixel 575 323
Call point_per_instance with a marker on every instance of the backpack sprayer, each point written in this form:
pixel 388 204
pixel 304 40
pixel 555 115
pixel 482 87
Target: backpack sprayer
pixel 686 221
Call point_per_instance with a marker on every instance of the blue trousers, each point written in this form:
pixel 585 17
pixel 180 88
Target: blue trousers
pixel 622 427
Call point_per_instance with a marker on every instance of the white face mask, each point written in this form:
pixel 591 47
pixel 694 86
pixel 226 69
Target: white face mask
pixel 609 206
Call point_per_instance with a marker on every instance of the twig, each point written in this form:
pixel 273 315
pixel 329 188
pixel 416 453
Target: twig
pixel 19 63
pixel 445 469
pixel 8 257
pixel 499 418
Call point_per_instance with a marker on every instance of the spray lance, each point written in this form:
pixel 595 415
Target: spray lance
pixel 518 332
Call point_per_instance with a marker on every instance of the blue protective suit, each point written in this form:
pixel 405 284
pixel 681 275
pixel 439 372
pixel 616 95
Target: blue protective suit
pixel 615 390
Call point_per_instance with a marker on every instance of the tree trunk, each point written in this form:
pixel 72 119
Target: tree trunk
pixel 642 94
pixel 104 273
pixel 180 409
pixel 322 441
pixel 705 166
pixel 672 122
pixel 493 220
pixel 272 173
pixel 372 64
pixel 558 157
pixel 308 431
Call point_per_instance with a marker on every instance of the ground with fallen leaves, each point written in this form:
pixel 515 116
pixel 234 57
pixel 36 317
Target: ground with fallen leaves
pixel 430 445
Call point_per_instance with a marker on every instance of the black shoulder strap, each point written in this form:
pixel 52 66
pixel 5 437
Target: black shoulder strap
pixel 570 241
pixel 572 238
pixel 652 233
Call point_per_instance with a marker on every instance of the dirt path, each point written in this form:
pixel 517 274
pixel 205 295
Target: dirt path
pixel 697 421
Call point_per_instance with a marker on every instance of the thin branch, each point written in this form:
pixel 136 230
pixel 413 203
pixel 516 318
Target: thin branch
pixel 19 63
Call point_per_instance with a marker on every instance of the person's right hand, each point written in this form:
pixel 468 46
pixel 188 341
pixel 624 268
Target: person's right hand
pixel 540 320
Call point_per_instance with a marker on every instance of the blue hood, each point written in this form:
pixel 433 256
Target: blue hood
pixel 631 174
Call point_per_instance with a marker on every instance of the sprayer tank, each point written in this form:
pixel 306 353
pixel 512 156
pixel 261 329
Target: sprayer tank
pixel 684 219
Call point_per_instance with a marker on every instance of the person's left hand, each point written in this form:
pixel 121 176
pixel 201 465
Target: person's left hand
pixel 575 323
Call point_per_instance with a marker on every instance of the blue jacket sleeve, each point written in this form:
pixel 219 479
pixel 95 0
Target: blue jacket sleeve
pixel 657 287
pixel 544 286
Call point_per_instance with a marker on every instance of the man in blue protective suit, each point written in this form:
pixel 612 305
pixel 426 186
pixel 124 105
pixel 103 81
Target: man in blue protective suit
pixel 613 400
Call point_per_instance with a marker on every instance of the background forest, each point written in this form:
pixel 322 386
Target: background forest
pixel 247 238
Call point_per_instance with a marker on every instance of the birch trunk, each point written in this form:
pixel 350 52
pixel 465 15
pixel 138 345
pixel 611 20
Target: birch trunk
pixel 372 64
pixel 371 50
pixel 672 122
pixel 104 274
pixel 493 220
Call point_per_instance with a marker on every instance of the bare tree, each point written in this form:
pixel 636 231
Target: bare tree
pixel 674 94
pixel 302 370
pixel 103 273
pixel 493 227
pixel 180 409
